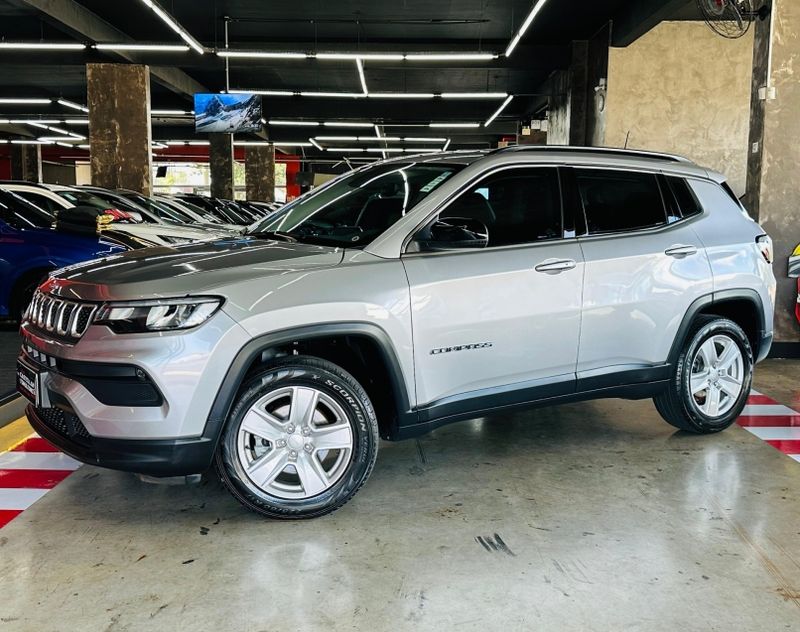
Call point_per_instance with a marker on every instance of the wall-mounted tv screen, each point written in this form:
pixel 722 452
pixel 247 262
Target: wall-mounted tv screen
pixel 227 113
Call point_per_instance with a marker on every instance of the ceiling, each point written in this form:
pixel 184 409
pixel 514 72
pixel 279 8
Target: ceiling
pixel 319 26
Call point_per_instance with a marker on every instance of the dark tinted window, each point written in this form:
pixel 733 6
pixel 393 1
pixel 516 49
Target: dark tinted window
pixel 41 201
pixel 19 213
pixel 616 201
pixel 688 204
pixel 518 206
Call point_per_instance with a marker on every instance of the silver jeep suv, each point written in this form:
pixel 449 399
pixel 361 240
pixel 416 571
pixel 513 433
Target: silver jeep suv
pixel 402 296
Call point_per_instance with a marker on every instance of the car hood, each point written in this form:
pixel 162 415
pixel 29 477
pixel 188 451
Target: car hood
pixel 187 269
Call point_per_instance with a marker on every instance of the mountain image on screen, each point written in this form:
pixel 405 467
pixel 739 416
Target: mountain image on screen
pixel 227 113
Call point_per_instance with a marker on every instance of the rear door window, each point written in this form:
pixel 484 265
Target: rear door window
pixel 620 201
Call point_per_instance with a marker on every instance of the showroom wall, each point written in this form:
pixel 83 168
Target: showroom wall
pixel 683 89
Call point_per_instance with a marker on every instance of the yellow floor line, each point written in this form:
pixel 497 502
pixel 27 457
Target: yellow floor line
pixel 14 433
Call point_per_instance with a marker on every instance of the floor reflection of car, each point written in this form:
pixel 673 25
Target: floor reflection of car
pixel 30 249
pixel 794 273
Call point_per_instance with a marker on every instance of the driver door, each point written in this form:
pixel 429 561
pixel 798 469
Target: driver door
pixel 499 323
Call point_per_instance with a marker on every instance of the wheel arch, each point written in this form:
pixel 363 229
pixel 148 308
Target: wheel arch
pixel 742 306
pixel 354 346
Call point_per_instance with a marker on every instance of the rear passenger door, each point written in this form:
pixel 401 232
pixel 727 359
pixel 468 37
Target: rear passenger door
pixel 644 266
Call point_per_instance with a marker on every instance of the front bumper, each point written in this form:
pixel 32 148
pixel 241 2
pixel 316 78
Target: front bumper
pixel 166 457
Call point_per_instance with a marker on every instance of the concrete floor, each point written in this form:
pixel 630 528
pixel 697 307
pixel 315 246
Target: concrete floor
pixel 594 516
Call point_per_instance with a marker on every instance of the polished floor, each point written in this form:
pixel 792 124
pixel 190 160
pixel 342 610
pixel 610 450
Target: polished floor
pixel 592 516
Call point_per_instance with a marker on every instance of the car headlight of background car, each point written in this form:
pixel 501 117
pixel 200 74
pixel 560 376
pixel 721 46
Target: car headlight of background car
pixel 157 315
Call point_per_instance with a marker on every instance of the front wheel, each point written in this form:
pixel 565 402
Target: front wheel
pixel 301 440
pixel 711 380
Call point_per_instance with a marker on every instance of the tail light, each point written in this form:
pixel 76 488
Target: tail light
pixel 764 243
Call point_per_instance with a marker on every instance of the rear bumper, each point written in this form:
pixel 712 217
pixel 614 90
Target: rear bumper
pixel 172 457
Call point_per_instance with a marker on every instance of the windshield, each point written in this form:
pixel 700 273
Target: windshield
pixel 355 209
pixel 82 198
pixel 19 213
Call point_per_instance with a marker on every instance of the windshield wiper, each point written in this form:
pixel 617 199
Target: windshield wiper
pixel 269 234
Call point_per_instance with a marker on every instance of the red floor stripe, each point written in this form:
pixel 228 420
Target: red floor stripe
pixel 32 479
pixel 35 444
pixel 760 399
pixel 769 420
pixel 7 515
pixel 787 446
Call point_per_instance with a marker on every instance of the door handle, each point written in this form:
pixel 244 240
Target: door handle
pixel 681 251
pixel 555 266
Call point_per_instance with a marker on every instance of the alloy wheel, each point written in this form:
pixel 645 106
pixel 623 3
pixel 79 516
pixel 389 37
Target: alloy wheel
pixel 717 376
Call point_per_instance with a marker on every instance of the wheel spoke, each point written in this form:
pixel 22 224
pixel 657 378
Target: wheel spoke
pixel 711 407
pixel 699 382
pixel 730 385
pixel 304 403
pixel 311 473
pixel 334 437
pixel 261 424
pixel 708 352
pixel 267 468
pixel 728 356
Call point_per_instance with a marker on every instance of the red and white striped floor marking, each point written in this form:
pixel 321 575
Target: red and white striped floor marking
pixel 775 423
pixel 27 472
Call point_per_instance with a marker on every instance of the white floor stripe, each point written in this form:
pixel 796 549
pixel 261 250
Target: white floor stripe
pixel 796 457
pixel 767 409
pixel 774 433
pixel 755 392
pixel 37 461
pixel 20 498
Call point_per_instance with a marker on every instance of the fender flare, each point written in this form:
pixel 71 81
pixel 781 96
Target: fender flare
pixel 716 298
pixel 234 378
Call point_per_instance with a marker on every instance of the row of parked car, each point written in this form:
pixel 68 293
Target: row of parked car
pixel 44 227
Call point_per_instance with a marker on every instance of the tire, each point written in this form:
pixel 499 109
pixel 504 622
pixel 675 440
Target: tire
pixel 297 402
pixel 704 354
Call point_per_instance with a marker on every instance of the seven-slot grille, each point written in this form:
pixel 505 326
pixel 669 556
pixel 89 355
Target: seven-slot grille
pixel 63 318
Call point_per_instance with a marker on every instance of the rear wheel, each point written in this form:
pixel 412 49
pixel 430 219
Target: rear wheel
pixel 712 378
pixel 300 441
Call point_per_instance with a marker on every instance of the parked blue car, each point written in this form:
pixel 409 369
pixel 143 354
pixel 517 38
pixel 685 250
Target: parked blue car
pixel 30 249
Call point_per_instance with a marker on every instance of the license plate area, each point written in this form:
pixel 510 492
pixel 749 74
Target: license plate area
pixel 29 382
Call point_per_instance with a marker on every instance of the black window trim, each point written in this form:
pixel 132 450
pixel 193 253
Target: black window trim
pixel 634 231
pixel 431 216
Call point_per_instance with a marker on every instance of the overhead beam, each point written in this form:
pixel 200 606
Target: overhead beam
pixel 82 23
pixel 637 18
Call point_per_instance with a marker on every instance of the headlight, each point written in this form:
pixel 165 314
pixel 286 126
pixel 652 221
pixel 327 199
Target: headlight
pixel 157 315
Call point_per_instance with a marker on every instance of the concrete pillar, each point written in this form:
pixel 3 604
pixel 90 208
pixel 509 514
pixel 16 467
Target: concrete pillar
pixel 220 160
pixel 118 97
pixel 259 173
pixel 775 179
pixel 26 162
pixel 577 104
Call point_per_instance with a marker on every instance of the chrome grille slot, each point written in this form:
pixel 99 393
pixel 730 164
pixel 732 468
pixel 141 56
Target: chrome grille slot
pixel 68 319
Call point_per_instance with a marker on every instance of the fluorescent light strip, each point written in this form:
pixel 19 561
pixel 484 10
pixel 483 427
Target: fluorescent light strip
pixel 387 150
pixel 199 142
pixel 474 95
pixel 294 144
pixel 25 101
pixel 73 105
pixel 316 144
pixel 347 150
pixel 334 95
pixel 447 144
pixel 31 121
pixel 40 46
pixel 337 138
pixel 75 121
pixel 170 112
pixel 491 119
pixel 402 95
pixel 451 56
pixel 255 54
pixel 525 25
pixel 377 131
pixel 170 21
pixel 294 123
pixel 427 139
pixel 31 142
pixel 421 150
pixel 167 48
pixel 345 124
pixel 465 125
pixel 267 93
pixel 360 67
pixel 63 139
pixel 363 56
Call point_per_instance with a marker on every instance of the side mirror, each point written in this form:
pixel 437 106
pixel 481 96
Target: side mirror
pixel 449 233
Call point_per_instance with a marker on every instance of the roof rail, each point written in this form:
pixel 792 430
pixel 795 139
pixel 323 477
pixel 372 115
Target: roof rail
pixel 605 151
pixel 25 182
